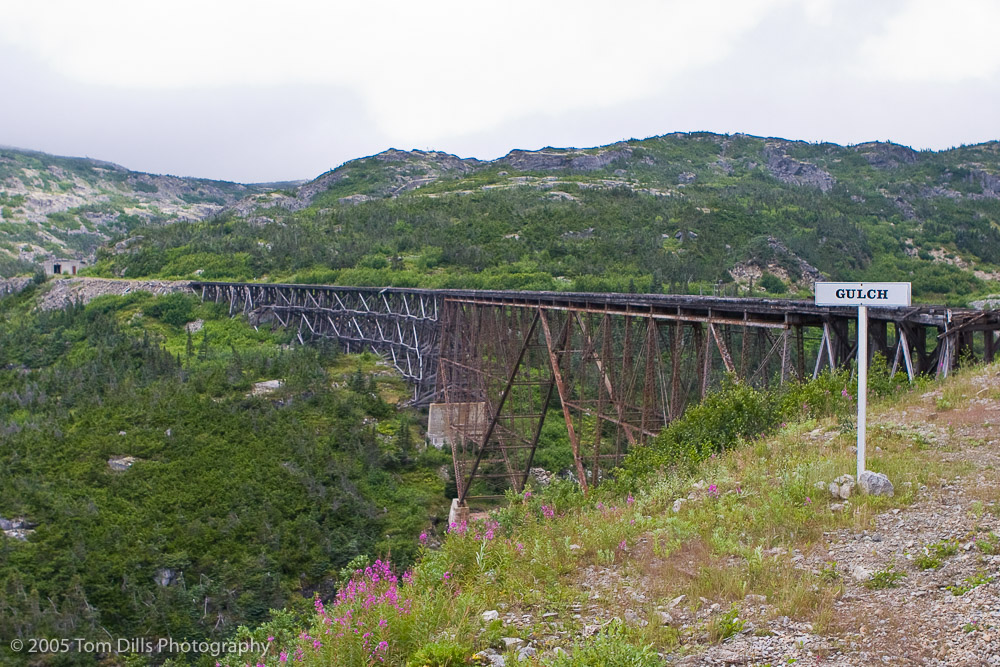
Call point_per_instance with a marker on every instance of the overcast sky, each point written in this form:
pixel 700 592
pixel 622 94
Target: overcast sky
pixel 255 91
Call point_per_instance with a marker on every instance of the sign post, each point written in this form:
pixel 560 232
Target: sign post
pixel 862 295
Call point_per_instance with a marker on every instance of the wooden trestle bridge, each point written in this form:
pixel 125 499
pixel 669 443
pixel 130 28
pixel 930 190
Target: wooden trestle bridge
pixel 490 363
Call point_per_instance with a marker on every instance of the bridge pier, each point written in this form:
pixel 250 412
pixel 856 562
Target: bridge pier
pixel 458 514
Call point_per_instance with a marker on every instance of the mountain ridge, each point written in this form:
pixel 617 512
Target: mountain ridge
pixel 679 211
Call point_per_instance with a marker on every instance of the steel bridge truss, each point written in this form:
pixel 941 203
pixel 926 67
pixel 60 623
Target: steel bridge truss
pixel 621 369
pixel 400 325
pixel 617 366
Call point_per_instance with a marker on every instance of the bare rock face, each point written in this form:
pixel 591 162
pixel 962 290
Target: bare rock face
pixel 789 170
pixel 13 285
pixel 883 155
pixel 544 160
pixel 875 484
pixel 989 182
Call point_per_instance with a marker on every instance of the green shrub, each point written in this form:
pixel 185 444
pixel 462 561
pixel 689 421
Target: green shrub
pixel 773 284
pixel 444 653
pixel 886 578
pixel 612 647
pixel 176 309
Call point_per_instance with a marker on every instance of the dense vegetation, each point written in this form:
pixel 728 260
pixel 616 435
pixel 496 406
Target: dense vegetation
pixel 235 503
pixel 675 213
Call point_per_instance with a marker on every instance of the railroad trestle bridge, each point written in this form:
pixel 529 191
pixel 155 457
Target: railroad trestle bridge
pixel 491 363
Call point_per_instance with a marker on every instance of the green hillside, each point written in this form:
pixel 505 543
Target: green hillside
pixel 67 207
pixel 682 213
pixel 151 487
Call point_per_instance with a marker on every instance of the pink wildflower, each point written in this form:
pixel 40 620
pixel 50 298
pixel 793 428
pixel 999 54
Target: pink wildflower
pixel 808 500
pixel 527 493
pixel 629 500
pixel 713 490
pixel 283 657
pixel 446 577
pixel 270 639
pixel 622 545
pixel 548 511
pixel 423 538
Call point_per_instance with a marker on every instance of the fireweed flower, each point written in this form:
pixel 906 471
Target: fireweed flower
pixel 808 500
pixel 446 576
pixel 629 500
pixel 713 490
pixel 548 511
pixel 527 493
pixel 622 545
pixel 423 538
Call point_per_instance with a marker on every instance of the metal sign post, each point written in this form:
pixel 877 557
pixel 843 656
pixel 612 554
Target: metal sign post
pixel 863 295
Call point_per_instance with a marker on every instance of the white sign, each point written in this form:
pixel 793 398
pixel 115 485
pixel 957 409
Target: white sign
pixel 863 294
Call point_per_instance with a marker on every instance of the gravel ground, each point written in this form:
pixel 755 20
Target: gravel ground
pixel 921 621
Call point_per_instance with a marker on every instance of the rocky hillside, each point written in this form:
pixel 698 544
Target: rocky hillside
pixel 68 206
pixel 733 214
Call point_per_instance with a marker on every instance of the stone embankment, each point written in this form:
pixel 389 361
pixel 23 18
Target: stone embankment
pixel 65 291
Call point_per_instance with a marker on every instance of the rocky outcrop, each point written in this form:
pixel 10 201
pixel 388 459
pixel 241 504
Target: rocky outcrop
pixel 13 285
pixel 885 155
pixel 17 528
pixel 796 172
pixel 549 158
pixel 989 182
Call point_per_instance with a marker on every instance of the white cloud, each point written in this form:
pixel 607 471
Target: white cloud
pixel 934 41
pixel 426 69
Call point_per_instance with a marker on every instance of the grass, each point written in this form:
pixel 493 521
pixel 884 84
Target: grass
pixel 748 512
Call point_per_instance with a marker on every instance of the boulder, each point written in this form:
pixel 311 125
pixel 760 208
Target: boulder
pixel 876 484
